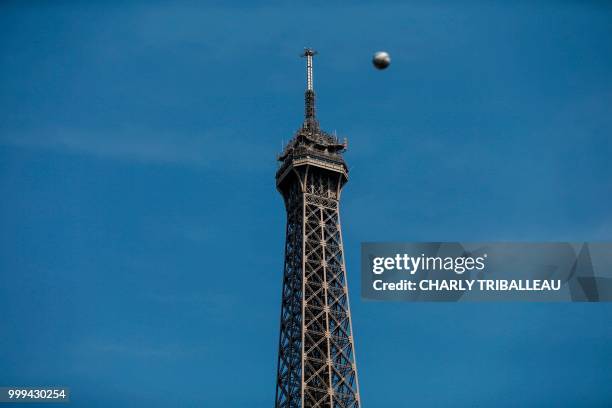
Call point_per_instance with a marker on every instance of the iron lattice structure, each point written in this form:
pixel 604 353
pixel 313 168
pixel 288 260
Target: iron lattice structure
pixel 316 356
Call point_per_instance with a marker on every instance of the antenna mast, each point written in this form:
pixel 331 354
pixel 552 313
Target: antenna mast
pixel 309 96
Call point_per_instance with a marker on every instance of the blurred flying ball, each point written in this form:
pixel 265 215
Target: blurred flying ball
pixel 381 60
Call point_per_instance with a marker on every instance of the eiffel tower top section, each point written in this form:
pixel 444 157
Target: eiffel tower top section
pixel 311 145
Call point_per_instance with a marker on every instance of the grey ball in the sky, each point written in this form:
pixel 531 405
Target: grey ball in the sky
pixel 381 60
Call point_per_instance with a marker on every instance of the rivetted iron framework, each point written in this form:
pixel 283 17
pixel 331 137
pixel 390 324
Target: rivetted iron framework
pixel 316 356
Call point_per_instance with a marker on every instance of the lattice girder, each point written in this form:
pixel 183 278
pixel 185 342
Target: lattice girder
pixel 316 365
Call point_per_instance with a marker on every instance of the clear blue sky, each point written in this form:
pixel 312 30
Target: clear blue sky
pixel 141 235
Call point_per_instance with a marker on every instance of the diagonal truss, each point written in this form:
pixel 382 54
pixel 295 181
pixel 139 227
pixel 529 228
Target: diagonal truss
pixel 316 366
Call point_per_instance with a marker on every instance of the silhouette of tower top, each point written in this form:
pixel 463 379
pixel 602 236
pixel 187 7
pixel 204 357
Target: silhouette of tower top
pixel 316 355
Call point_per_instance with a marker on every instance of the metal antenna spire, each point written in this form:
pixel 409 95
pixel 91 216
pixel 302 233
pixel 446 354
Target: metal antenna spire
pixel 309 95
pixel 309 53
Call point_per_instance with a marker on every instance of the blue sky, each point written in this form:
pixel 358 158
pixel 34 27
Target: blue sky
pixel 141 235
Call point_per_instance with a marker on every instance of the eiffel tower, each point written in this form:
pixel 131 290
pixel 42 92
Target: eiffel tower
pixel 316 354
